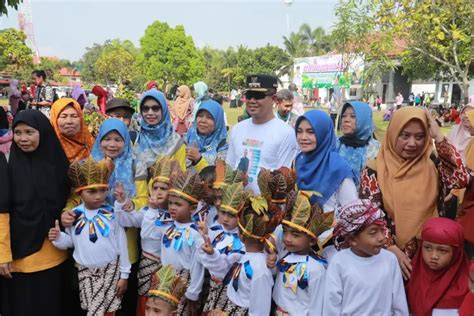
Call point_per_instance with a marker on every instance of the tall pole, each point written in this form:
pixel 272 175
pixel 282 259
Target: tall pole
pixel 288 3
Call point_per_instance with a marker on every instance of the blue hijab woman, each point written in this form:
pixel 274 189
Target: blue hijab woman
pixel 319 168
pixel 357 144
pixel 156 137
pixel 122 157
pixel 208 132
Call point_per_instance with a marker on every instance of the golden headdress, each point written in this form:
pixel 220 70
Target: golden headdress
pixel 233 198
pixel 168 285
pixel 306 218
pixel 163 169
pixel 225 175
pixel 88 173
pixel 275 185
pixel 187 185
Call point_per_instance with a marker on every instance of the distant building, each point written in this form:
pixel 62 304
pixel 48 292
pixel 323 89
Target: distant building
pixel 71 76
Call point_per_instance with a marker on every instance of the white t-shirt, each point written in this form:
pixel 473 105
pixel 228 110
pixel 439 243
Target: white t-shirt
pixel 364 285
pixel 270 145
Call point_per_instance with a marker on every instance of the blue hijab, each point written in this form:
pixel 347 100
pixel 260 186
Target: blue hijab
pixel 208 145
pixel 154 140
pixel 354 147
pixel 321 170
pixel 123 171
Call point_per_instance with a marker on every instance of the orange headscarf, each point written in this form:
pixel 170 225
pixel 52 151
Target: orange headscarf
pixel 80 146
pixel 409 187
pixel 181 105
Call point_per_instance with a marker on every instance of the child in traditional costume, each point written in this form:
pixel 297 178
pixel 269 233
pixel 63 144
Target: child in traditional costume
pixel 440 275
pixel 165 293
pixel 155 218
pixel 249 281
pixel 99 241
pixel 364 278
pixel 206 207
pixel 221 246
pixel 299 287
pixel 178 241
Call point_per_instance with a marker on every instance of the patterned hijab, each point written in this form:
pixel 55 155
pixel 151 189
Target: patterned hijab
pixel 154 140
pixel 183 101
pixel 79 146
pixel 123 171
pixel 354 147
pixel 409 187
pixel 323 169
pixel 459 136
pixel 209 144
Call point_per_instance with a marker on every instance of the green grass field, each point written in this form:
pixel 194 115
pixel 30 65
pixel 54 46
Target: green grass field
pixel 232 114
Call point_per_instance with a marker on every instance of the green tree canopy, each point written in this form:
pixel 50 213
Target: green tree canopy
pixel 116 62
pixel 4 4
pixel 170 55
pixel 15 56
pixel 435 34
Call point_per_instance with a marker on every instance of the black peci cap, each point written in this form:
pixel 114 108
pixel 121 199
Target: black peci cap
pixel 261 83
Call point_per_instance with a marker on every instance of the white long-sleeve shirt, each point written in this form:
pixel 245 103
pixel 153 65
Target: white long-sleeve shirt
pixel 254 293
pixel 185 257
pixel 364 285
pixel 104 250
pixel 227 250
pixel 295 300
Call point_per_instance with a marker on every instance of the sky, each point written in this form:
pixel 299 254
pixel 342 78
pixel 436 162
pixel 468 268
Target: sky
pixel 66 28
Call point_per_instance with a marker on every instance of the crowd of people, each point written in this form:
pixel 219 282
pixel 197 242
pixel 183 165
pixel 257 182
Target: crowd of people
pixel 161 212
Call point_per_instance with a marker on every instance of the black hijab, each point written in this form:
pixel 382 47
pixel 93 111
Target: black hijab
pixel 39 186
pixel 3 119
pixel 4 187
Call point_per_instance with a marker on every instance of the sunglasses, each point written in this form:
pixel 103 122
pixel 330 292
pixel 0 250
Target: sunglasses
pixel 154 108
pixel 257 95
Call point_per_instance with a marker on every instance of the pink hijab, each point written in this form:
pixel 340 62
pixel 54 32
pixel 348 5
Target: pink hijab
pixel 459 136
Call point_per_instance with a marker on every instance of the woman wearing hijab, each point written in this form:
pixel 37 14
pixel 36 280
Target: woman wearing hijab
pixel 79 95
pixel 68 123
pixel 207 138
pixel 39 185
pixel 101 95
pixel 14 96
pixel 201 92
pixel 6 135
pixel 459 136
pixel 440 275
pixel 320 170
pixel 182 110
pixel 156 137
pixel 357 145
pixel 408 182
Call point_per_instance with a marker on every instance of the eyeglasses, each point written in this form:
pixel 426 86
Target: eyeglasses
pixel 154 108
pixel 257 95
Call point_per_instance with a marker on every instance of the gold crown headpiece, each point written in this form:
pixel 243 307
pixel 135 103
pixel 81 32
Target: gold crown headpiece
pixel 225 175
pixel 187 185
pixel 89 174
pixel 275 185
pixel 168 285
pixel 163 169
pixel 306 218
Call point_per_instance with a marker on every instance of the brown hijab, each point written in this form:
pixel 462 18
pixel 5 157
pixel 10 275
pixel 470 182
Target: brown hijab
pixel 409 187
pixel 181 105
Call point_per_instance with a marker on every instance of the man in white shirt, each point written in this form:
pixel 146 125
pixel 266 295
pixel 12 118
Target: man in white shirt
pixel 264 140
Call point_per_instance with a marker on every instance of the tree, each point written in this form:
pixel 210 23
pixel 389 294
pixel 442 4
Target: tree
pixel 4 4
pixel 52 66
pixel 116 62
pixel 316 41
pixel 435 34
pixel 15 56
pixel 295 46
pixel 88 60
pixel 170 55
